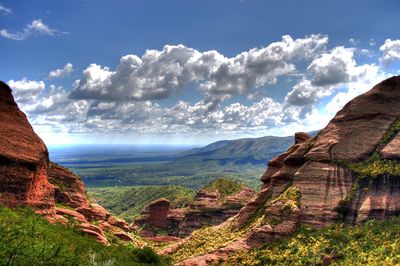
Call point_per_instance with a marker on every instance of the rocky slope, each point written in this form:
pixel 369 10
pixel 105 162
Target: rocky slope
pixel 27 177
pixel 212 205
pixel 349 172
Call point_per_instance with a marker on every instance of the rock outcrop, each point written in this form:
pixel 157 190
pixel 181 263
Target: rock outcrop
pixel 23 159
pixel 208 208
pixel 349 172
pixel 27 177
pixel 325 170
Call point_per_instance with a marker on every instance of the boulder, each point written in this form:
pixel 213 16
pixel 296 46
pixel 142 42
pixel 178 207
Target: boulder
pixel 300 137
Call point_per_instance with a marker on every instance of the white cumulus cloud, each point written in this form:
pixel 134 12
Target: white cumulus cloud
pixel 62 72
pixel 390 51
pixel 26 90
pixel 159 73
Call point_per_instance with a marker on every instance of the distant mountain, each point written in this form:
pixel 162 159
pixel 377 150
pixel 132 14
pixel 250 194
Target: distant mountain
pixel 241 151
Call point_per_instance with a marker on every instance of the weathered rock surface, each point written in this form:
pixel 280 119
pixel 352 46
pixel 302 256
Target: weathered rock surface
pixel 27 177
pixel 315 166
pixel 391 150
pixel 356 130
pixel 23 158
pixel 206 209
pixel 313 183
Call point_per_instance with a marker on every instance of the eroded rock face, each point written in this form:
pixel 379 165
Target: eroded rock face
pixel 356 130
pixel 315 182
pixel 23 159
pixel 316 167
pixel 27 177
pixel 391 150
pixel 206 209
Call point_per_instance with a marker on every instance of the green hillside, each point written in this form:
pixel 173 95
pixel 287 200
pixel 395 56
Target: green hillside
pixel 28 239
pixel 224 186
pixel 127 202
pixel 373 243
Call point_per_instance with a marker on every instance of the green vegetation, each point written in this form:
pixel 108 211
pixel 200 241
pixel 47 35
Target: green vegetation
pixel 193 175
pixel 103 166
pixel 390 133
pixel 224 186
pixel 208 239
pixel 28 239
pixel 127 202
pixel 372 168
pixel 374 243
pixel 375 166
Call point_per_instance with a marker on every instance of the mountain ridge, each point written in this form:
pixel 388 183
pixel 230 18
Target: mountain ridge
pixel 343 174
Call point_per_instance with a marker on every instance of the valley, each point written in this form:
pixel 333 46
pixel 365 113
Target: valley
pixel 133 165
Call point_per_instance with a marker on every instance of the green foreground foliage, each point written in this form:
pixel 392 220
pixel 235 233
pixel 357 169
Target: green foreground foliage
pixel 28 239
pixel 373 243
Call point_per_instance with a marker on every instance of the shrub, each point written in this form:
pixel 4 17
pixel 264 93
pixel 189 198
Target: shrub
pixel 28 239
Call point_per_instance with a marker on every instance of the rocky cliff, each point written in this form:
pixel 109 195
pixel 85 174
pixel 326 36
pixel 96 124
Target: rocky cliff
pixel 349 172
pixel 27 177
pixel 209 207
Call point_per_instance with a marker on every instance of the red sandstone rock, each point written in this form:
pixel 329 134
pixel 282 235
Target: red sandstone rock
pixel 70 189
pixel 206 209
pixel 94 213
pixel 124 236
pixel 392 149
pixel 114 221
pixel 100 238
pixel 356 130
pixel 71 213
pixel 23 158
pixel 311 167
pixel 28 178
pixel 300 137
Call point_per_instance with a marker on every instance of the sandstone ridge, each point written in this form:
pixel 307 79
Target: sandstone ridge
pixel 208 208
pixel 27 177
pixel 349 172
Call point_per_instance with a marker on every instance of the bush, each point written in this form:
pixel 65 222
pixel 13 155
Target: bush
pixel 28 239
pixel 373 243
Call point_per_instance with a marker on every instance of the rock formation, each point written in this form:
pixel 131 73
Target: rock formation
pixel 208 208
pixel 325 170
pixel 27 177
pixel 23 159
pixel 348 172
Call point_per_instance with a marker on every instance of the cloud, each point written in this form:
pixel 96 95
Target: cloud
pixel 61 72
pixel 390 51
pixel 36 28
pixel 127 100
pixel 26 90
pixel 304 93
pixel 333 67
pixel 160 73
pixel 326 73
pixel 4 9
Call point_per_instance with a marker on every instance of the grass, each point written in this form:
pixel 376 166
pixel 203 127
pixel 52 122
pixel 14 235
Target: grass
pixel 192 175
pixel 206 240
pixel 28 239
pixel 224 186
pixel 373 243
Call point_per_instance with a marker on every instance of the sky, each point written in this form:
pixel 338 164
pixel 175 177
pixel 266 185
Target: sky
pixel 191 72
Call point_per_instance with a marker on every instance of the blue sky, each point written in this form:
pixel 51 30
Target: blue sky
pixel 191 72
